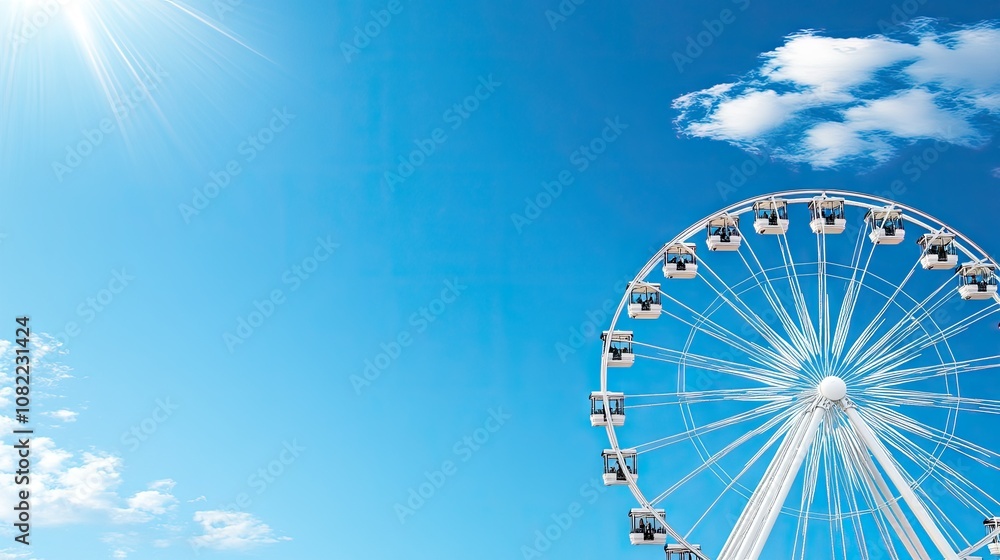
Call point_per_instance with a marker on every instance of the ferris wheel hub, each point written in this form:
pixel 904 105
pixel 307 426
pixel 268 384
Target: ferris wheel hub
pixel 833 388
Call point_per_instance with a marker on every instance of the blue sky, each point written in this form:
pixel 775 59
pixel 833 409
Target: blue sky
pixel 219 231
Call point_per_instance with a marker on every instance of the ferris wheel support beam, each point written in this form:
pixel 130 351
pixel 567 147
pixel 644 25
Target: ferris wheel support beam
pixel 755 524
pixel 897 519
pixel 788 477
pixel 751 512
pixel 877 450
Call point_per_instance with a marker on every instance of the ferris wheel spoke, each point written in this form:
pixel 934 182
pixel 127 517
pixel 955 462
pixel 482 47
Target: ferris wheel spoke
pixel 907 324
pixel 891 420
pixel 854 483
pixel 891 397
pixel 759 354
pixel 778 434
pixel 876 323
pixel 913 349
pixel 949 478
pixel 780 346
pixel 798 297
pixel 766 376
pixel 753 414
pixel 823 302
pixel 715 395
pixel 721 454
pixel 795 333
pixel 853 292
pixel 893 377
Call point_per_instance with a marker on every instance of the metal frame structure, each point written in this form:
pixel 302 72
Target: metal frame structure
pixel 871 456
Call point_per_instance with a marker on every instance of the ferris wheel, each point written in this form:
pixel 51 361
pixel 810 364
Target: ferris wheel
pixel 801 384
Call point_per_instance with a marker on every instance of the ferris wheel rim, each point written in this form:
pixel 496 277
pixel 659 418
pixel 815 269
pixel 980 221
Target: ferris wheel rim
pixel 963 243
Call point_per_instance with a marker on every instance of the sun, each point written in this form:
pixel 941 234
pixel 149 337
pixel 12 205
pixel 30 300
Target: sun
pixel 122 43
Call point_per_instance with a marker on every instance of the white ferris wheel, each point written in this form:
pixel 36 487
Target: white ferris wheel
pixel 800 384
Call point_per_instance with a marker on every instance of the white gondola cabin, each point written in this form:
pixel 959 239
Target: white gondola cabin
pixel 681 552
pixel 992 524
pixel 644 301
pixel 770 217
pixel 679 261
pixel 977 281
pixel 620 349
pixel 615 413
pixel 614 473
pixel 827 215
pixel 938 251
pixel 886 226
pixel 645 528
pixel 724 233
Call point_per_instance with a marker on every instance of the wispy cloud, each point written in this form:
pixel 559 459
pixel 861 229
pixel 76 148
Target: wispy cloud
pixel 829 102
pixel 68 488
pixel 232 531
pixel 63 415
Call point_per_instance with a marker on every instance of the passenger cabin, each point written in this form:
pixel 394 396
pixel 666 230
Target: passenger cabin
pixel 724 233
pixel 679 261
pixel 681 552
pixel 614 472
pixel 619 348
pixel 770 217
pixel 992 524
pixel 977 281
pixel 886 226
pixel 644 301
pixel 827 215
pixel 615 412
pixel 646 529
pixel 938 251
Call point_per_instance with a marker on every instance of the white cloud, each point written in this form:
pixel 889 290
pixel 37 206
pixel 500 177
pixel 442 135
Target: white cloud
pixel 63 415
pixel 232 531
pixel 835 101
pixel 831 64
pixel 165 484
pixel 69 488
